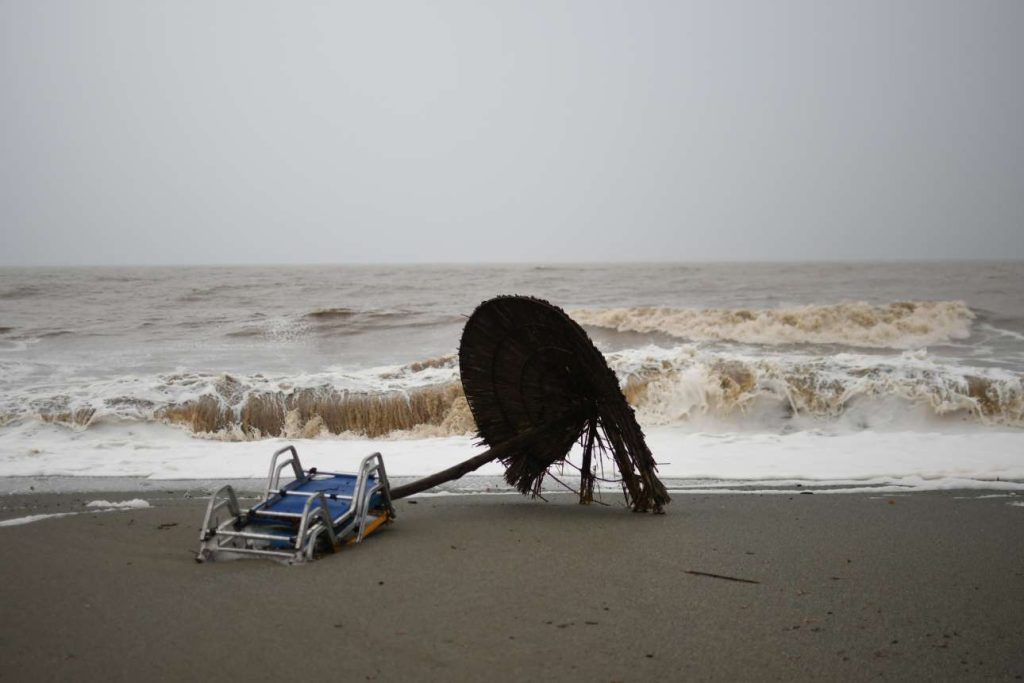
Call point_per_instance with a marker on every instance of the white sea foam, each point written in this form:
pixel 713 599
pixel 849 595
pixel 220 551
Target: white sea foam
pixel 1002 333
pixel 726 391
pixel 920 460
pixel 97 505
pixel 86 401
pixel 704 388
pixel 133 504
pixel 19 521
pixel 901 325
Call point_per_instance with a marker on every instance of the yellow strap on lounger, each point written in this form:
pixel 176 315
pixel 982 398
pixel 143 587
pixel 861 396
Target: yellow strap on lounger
pixel 372 526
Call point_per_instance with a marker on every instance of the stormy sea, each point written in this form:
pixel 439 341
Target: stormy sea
pixel 744 377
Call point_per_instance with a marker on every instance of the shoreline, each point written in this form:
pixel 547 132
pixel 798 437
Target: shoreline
pixel 476 484
pixel 98 458
pixel 928 585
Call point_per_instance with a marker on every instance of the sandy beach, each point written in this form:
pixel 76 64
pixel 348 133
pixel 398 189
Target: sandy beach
pixel 844 587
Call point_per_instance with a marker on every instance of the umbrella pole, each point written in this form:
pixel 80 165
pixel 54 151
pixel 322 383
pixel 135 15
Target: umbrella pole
pixel 500 451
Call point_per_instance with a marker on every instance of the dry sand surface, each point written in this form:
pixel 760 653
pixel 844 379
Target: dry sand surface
pixel 849 587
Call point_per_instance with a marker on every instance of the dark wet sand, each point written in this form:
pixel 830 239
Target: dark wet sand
pixel 926 586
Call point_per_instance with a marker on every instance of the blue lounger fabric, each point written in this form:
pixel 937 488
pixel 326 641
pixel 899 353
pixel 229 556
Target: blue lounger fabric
pixel 338 485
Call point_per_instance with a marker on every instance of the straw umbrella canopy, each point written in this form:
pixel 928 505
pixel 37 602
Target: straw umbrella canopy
pixel 537 385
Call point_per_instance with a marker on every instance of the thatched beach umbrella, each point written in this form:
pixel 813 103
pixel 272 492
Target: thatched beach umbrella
pixel 536 386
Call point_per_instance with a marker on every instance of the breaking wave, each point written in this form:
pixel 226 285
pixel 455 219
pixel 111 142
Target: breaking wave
pixel 21 292
pixel 313 412
pixel 235 412
pixel 690 386
pixel 331 314
pixel 900 325
pixel 685 386
pixel 418 400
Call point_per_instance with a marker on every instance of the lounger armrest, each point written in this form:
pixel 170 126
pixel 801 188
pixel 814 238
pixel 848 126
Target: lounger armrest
pixel 274 477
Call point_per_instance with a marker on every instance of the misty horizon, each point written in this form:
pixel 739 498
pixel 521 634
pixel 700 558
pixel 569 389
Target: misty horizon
pixel 513 264
pixel 182 134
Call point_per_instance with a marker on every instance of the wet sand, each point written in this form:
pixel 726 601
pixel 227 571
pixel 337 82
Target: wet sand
pixel 849 587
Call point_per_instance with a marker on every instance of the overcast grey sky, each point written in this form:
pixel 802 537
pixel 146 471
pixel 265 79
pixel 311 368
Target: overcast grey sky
pixel 289 132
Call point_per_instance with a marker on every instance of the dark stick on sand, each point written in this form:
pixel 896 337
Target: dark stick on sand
pixel 720 576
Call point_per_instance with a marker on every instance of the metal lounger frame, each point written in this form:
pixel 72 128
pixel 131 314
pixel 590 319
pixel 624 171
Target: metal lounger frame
pixel 305 528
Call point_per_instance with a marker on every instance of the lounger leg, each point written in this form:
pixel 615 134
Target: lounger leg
pixel 209 543
pixel 316 506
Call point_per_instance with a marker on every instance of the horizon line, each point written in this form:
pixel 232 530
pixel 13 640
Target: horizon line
pixel 486 264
